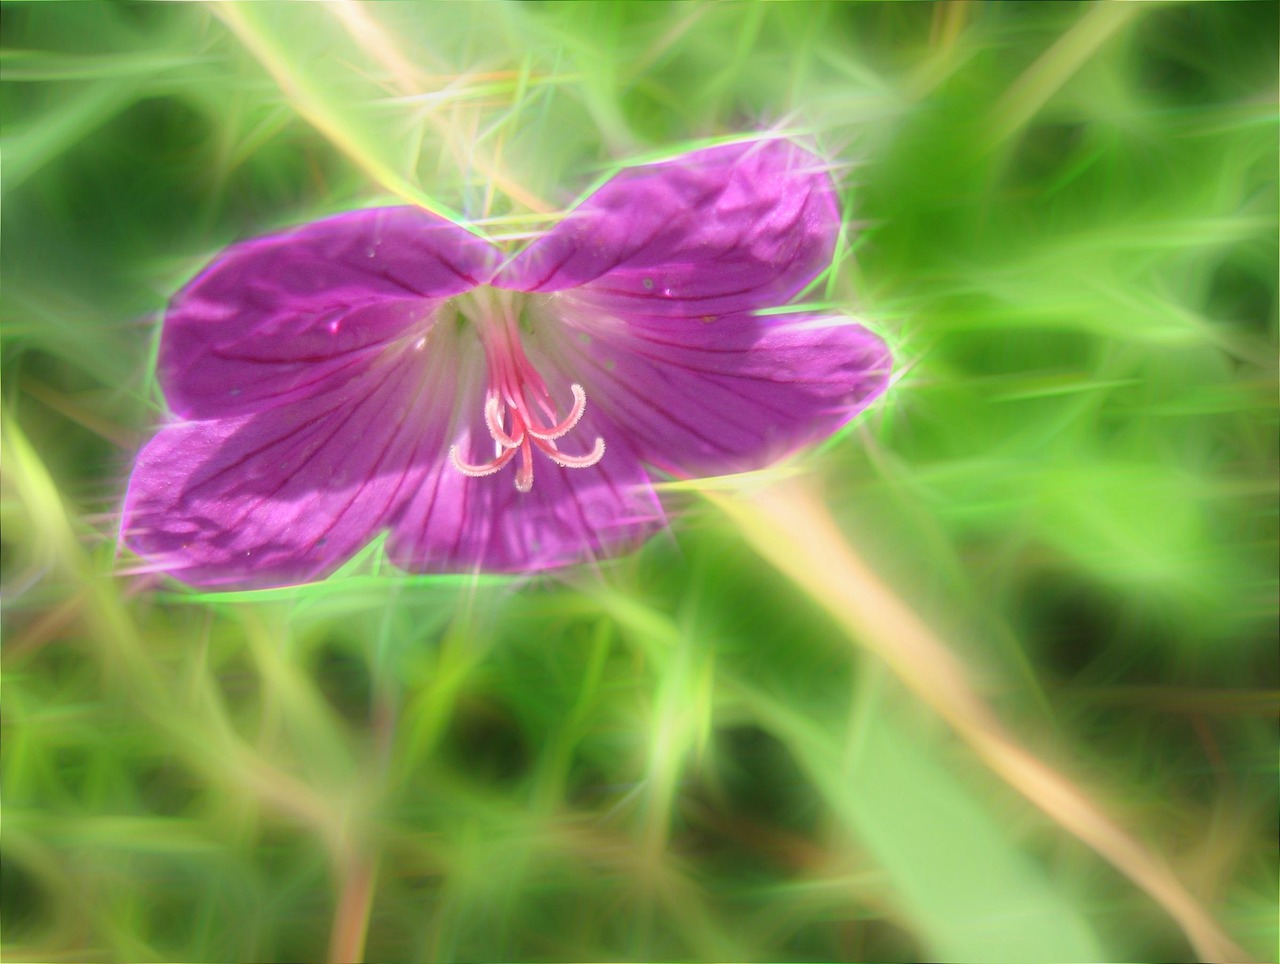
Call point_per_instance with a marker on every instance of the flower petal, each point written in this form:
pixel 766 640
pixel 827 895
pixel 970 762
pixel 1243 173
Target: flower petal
pixel 456 523
pixel 706 399
pixel 287 494
pixel 720 231
pixel 271 319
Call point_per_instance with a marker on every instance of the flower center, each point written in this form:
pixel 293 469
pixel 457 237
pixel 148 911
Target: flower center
pixel 518 409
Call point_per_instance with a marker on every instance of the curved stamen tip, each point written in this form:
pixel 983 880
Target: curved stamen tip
pixel 564 426
pixel 574 461
pixel 479 471
pixel 493 421
pixel 508 400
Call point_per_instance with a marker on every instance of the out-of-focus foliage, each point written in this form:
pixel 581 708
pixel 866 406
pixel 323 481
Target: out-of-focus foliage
pixel 1062 215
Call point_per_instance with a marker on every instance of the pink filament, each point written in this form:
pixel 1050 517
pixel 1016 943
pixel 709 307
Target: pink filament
pixel 513 384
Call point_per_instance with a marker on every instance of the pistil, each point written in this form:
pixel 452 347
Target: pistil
pixel 516 394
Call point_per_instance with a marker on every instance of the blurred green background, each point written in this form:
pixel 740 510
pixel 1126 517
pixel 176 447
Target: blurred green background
pixel 1064 218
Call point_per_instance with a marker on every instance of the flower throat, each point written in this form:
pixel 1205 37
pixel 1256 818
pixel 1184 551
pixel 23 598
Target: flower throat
pixel 518 409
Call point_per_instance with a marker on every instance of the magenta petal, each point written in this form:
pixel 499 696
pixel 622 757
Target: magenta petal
pixel 287 494
pixel 720 231
pixel 271 319
pixel 706 399
pixel 454 523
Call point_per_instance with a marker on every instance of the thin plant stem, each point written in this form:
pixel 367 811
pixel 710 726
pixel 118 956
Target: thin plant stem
pixel 791 528
pixel 358 872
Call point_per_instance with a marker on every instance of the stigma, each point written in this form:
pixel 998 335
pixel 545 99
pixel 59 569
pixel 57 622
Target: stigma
pixel 519 411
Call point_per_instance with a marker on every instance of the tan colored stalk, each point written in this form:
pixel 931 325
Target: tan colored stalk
pixel 793 530
pixel 350 927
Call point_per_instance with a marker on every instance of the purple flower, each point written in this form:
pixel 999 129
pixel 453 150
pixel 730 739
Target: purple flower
pixel 387 369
